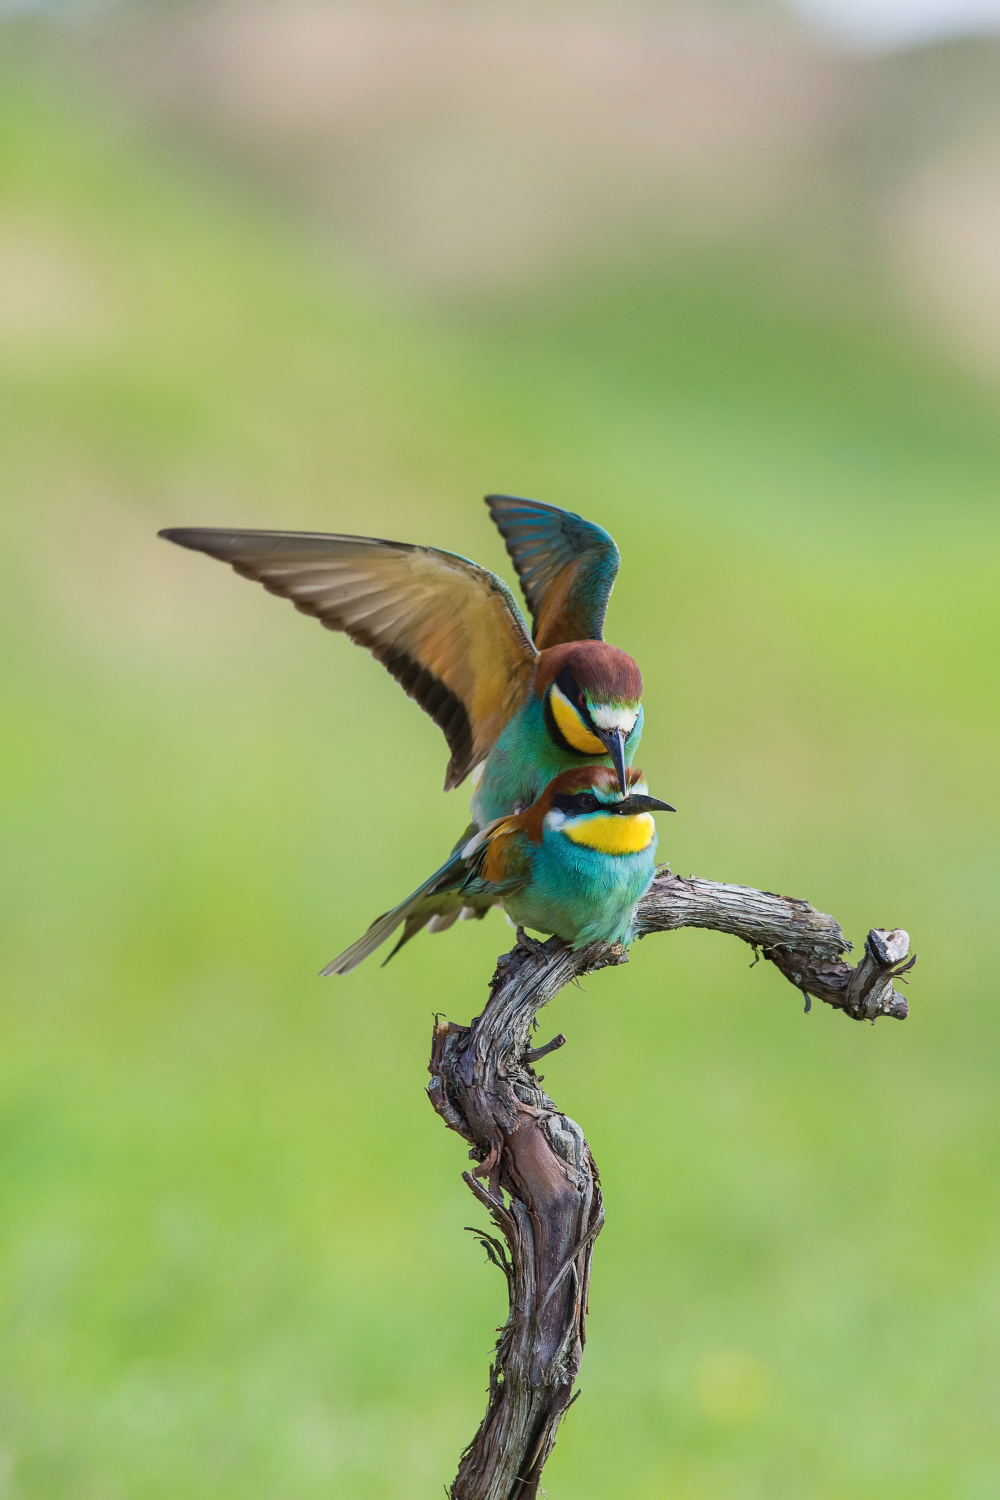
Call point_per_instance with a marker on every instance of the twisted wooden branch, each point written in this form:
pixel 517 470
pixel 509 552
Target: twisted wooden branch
pixel 535 1174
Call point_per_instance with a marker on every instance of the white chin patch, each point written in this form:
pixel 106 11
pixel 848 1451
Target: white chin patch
pixel 608 716
pixel 554 818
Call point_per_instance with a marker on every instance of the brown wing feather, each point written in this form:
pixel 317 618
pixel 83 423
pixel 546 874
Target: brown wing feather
pixel 448 630
pixel 567 567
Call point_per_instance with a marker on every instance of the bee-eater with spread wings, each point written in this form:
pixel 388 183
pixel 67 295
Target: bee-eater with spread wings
pixel 575 863
pixel 515 709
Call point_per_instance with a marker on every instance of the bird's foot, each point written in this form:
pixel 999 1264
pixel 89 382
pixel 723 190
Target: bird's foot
pixel 529 944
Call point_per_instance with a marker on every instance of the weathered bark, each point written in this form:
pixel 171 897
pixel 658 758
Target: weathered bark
pixel 805 944
pixel 535 1174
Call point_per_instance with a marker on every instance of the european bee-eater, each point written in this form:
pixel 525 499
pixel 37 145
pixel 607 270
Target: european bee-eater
pixel 515 710
pixel 575 863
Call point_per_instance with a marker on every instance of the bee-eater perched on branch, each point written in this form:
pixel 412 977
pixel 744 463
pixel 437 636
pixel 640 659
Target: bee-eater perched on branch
pixel 576 863
pixel 515 709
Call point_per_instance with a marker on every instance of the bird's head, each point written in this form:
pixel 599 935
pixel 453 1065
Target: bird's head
pixel 587 806
pixel 593 701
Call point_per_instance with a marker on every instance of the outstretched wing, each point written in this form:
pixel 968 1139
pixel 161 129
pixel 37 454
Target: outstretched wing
pixel 448 631
pixel 567 567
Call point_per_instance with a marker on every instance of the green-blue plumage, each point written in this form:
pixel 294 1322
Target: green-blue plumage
pixel 550 866
pixel 581 894
pixel 524 760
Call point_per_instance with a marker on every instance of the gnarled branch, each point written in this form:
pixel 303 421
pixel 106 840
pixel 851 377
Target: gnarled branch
pixel 534 1172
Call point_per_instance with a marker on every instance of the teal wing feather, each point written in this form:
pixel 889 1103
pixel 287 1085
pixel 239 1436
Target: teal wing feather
pixel 424 903
pixel 458 884
pixel 567 567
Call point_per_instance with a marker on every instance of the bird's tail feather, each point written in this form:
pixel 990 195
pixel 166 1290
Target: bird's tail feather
pixel 452 872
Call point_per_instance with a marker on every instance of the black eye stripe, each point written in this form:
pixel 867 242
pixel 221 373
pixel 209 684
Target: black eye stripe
pixel 574 695
pixel 577 802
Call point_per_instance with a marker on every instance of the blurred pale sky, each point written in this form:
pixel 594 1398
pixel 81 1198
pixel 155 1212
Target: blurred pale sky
pixel 878 23
pixel 894 22
pixel 875 22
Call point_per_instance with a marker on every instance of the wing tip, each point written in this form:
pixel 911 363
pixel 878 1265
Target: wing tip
pixel 453 775
pixel 496 500
pixel 196 538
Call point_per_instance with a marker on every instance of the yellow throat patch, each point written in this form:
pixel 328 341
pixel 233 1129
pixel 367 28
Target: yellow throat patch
pixel 572 727
pixel 613 834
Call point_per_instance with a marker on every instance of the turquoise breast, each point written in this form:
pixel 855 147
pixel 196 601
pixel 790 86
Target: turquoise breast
pixel 581 894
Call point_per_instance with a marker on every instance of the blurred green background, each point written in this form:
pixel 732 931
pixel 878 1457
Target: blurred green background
pixel 232 1259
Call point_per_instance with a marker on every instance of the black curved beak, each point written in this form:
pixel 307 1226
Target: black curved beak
pixel 639 804
pixel 615 741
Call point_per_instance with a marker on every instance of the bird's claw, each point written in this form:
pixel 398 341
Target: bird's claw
pixel 529 944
